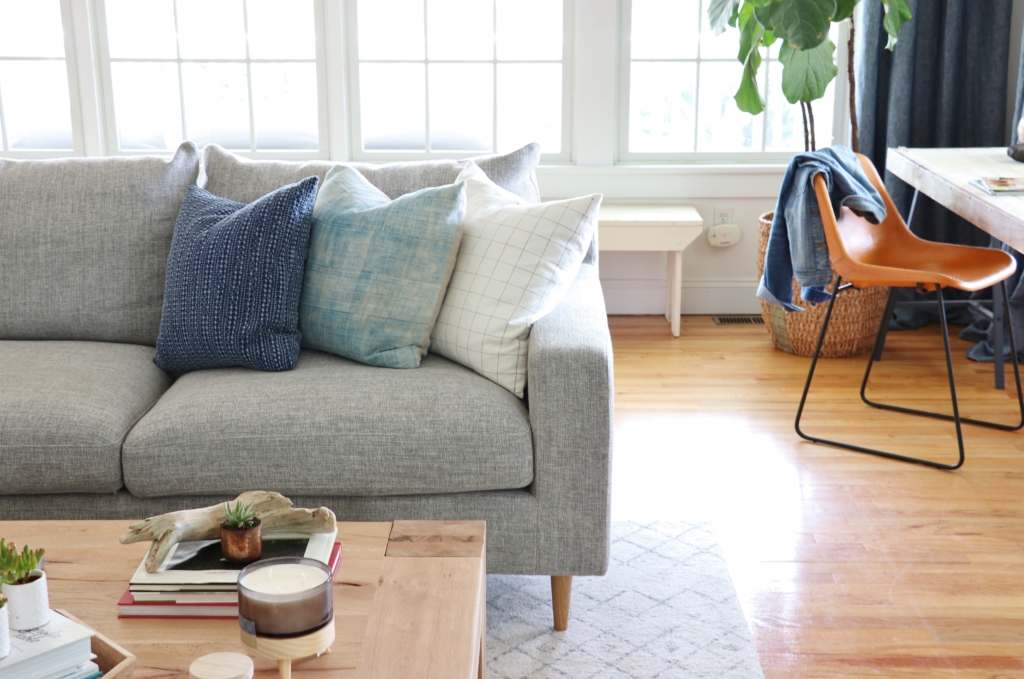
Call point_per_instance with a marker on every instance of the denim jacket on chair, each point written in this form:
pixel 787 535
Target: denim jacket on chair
pixel 796 246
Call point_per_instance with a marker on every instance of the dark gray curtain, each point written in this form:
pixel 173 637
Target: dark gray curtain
pixel 944 86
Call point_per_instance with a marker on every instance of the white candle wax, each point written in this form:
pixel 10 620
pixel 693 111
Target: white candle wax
pixel 284 579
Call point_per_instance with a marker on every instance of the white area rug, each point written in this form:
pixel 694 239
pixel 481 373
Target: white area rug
pixel 666 609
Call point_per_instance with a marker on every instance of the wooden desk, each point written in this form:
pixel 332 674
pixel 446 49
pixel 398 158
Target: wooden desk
pixel 668 228
pixel 944 175
pixel 409 600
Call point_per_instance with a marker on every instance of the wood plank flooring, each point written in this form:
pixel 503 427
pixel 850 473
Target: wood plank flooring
pixel 846 565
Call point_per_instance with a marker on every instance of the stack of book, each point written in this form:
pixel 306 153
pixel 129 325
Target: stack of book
pixel 60 649
pixel 194 581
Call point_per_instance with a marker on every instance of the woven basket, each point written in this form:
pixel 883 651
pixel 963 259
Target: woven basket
pixel 854 321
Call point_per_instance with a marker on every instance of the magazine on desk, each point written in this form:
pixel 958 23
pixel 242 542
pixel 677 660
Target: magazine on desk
pixel 999 186
pixel 198 565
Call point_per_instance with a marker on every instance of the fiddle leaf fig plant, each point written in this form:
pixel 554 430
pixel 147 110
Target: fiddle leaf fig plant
pixel 806 53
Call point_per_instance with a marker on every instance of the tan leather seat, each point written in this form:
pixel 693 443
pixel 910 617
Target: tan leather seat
pixel 889 254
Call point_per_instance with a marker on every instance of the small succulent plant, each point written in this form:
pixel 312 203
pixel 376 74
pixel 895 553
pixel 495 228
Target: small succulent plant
pixel 16 567
pixel 3 601
pixel 241 516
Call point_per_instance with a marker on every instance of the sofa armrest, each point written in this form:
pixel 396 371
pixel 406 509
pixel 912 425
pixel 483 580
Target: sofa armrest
pixel 571 395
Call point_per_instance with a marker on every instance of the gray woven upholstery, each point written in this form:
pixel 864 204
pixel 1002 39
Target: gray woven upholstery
pixel 559 525
pixel 331 426
pixel 230 176
pixel 84 243
pixel 512 537
pixel 65 408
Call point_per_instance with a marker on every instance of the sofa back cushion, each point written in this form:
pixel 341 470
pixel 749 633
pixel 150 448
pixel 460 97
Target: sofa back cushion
pixel 84 243
pixel 244 180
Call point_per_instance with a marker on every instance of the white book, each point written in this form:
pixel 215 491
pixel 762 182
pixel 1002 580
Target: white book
pixel 79 671
pixel 199 562
pixel 55 647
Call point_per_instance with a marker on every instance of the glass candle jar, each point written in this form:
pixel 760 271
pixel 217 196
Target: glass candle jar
pixel 284 597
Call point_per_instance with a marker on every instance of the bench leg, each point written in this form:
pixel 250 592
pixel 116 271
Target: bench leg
pixel 561 593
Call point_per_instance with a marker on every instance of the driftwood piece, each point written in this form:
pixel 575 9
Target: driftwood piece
pixel 274 510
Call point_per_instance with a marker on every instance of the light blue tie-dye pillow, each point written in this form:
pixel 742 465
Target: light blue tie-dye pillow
pixel 377 269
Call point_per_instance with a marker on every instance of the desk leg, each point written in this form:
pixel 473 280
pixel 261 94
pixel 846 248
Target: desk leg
pixel 997 331
pixel 674 291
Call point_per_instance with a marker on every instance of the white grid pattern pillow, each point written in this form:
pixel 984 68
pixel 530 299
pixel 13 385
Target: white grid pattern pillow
pixel 515 263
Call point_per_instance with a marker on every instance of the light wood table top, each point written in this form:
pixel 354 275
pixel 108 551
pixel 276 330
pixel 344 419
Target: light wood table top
pixel 944 175
pixel 409 600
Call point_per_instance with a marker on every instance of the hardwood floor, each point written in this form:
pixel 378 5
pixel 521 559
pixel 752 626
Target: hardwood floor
pixel 846 565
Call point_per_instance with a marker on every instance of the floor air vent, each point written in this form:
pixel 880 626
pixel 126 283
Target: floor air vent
pixel 738 320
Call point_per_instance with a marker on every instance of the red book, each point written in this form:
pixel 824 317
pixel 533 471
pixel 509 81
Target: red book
pixel 193 605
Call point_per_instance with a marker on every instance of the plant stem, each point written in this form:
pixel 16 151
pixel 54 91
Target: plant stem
pixel 807 136
pixel 810 116
pixel 854 130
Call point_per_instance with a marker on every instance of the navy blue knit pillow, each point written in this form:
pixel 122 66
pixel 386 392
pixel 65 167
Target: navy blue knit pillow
pixel 234 277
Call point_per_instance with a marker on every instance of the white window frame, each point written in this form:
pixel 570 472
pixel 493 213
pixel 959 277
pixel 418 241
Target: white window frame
pixel 355 136
pixel 113 146
pixel 79 75
pixel 840 117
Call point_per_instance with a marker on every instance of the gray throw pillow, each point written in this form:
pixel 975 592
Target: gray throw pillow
pixel 243 180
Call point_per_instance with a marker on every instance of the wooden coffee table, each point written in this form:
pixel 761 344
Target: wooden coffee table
pixel 409 600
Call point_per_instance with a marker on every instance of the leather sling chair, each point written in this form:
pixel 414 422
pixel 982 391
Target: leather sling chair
pixel 888 254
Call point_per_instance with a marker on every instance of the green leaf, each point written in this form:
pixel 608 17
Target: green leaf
pixel 769 38
pixel 844 9
pixel 806 73
pixel 801 23
pixel 748 98
pixel 897 13
pixel 721 13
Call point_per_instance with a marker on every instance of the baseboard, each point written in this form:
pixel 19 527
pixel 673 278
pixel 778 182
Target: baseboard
pixel 630 296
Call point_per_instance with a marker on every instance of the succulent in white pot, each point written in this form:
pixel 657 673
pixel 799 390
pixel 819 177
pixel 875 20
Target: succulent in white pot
pixel 24 587
pixel 5 630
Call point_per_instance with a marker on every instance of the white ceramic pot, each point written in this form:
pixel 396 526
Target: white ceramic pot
pixel 5 633
pixel 29 605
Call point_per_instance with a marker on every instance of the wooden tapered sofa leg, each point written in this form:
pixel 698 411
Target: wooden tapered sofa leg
pixel 561 594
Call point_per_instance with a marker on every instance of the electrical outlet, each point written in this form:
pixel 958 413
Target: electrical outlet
pixel 723 215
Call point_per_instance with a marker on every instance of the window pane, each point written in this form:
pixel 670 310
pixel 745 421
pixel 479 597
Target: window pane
pixel 141 30
pixel 147 105
pixel 530 106
pixel 529 29
pixel 784 124
pixel 461 107
pixel 211 29
pixel 216 104
pixel 281 30
pixel 31 29
pixel 460 29
pixel 37 111
pixel 721 127
pixel 661 107
pixel 724 46
pixel 285 106
pixel 393 107
pixel 664 29
pixel 390 30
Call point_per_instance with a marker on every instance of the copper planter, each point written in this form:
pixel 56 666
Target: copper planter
pixel 241 546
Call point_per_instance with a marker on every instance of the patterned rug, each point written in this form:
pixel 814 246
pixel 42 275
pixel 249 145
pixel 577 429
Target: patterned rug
pixel 666 609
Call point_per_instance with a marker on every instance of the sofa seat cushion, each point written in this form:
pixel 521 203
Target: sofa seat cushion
pixel 331 426
pixel 65 409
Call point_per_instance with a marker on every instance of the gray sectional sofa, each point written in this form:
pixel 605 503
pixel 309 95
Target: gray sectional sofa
pixel 91 428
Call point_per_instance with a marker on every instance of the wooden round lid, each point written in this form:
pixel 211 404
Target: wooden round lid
pixel 221 666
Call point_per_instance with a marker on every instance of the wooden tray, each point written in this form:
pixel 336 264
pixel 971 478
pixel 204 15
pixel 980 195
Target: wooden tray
pixel 114 661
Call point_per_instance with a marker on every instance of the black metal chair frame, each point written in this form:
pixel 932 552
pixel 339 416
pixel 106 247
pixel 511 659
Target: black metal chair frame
pixel 876 354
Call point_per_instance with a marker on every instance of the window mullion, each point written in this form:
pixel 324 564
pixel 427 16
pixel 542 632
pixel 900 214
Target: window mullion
pixel 248 75
pixel 426 81
pixel 181 72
